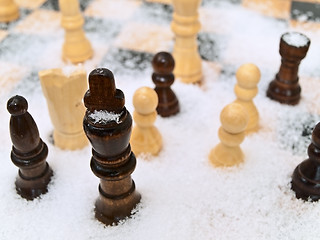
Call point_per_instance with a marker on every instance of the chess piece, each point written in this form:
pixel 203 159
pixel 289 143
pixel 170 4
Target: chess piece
pixel 64 98
pixel 186 26
pixel 107 124
pixel 234 120
pixel 285 87
pixel 248 77
pixel 305 179
pixel 29 152
pixel 76 47
pixel 145 137
pixel 9 11
pixel 163 78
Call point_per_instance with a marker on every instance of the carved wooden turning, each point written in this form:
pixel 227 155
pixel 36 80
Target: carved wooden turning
pixel 29 152
pixel 107 124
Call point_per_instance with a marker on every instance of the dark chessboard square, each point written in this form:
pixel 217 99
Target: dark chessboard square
pixel 54 4
pixel 28 85
pixel 305 11
pixel 102 27
pixel 123 61
pixel 155 12
pixel 208 47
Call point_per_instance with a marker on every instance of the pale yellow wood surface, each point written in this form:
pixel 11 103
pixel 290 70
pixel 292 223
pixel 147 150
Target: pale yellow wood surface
pixel 248 77
pixel 234 120
pixel 145 136
pixel 64 99
pixel 186 25
pixel 76 47
pixel 9 11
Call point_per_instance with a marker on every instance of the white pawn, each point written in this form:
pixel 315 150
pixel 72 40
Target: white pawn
pixel 9 11
pixel 76 47
pixel 234 120
pixel 248 77
pixel 145 136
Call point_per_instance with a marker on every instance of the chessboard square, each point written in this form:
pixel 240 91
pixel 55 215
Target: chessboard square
pixel 30 4
pixel 3 34
pixel 124 61
pixel 120 9
pixel 154 12
pixel 305 11
pixel 273 8
pixel 210 3
pixel 208 47
pixel 41 21
pixel 151 37
pixel 160 1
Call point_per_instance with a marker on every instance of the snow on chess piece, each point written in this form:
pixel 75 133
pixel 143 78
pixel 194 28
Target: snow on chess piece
pixel 145 136
pixel 306 177
pixel 285 88
pixel 76 47
pixel 107 124
pixel 248 76
pixel 9 11
pixel 29 152
pixel 163 78
pixel 234 120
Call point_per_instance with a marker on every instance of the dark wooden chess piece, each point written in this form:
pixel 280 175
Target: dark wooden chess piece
pixel 163 78
pixel 112 160
pixel 29 152
pixel 285 87
pixel 306 177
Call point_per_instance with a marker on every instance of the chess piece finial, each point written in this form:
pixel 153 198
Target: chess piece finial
pixel 29 152
pixel 163 78
pixel 107 124
pixel 285 87
pixel 234 120
pixel 9 11
pixel 64 98
pixel 76 47
pixel 305 179
pixel 186 25
pixel 248 77
pixel 145 136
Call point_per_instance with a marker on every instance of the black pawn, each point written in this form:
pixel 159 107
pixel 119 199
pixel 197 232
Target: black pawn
pixel 163 78
pixel 29 152
pixel 306 177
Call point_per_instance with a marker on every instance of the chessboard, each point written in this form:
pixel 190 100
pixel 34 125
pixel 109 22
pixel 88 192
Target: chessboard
pixel 183 195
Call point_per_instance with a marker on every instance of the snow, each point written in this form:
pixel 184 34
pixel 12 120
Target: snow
pixel 296 39
pixel 104 117
pixel 183 196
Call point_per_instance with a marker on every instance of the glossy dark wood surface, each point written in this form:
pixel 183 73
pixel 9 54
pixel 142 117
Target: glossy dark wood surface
pixel 112 159
pixel 29 152
pixel 306 176
pixel 163 78
pixel 285 88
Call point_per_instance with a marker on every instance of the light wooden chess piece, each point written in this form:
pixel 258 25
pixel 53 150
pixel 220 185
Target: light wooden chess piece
pixel 64 98
pixel 248 77
pixel 76 47
pixel 9 11
pixel 186 26
pixel 234 120
pixel 145 136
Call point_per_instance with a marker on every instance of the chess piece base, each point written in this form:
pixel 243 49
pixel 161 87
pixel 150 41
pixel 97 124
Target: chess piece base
pixel 33 188
pixel 304 186
pixel 110 209
pixel 70 141
pixel 9 13
pixel 283 93
pixel 192 78
pixel 146 140
pixel 167 110
pixel 77 53
pixel 223 156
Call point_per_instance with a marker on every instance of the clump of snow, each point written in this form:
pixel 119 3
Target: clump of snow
pixel 296 39
pixel 104 117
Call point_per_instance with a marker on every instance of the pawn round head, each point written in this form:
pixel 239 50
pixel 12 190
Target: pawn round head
pixel 248 75
pixel 234 118
pixel 17 105
pixel 145 100
pixel 163 62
